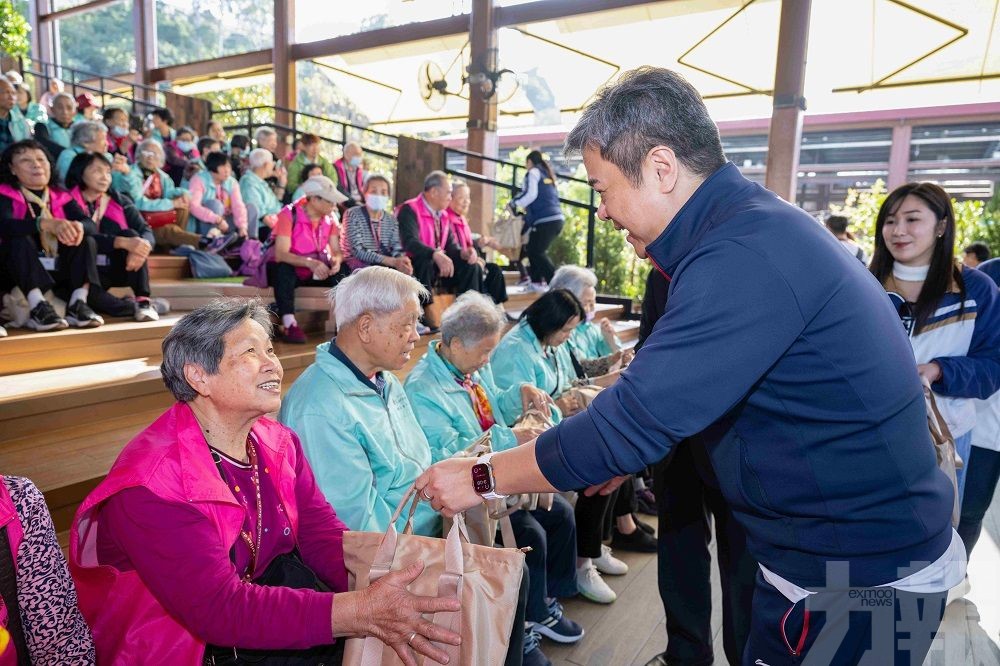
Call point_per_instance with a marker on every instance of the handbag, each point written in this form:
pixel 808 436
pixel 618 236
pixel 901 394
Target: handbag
pixel 539 420
pixel 507 231
pixel 948 460
pixel 485 579
pixel 206 265
pixel 161 218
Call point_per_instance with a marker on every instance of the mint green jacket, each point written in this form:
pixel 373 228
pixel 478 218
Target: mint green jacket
pixel 587 341
pixel 444 408
pixel 170 191
pixel 18 125
pixel 257 192
pixel 366 452
pixel 125 183
pixel 519 358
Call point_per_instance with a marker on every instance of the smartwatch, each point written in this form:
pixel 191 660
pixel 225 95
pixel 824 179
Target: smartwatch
pixel 483 481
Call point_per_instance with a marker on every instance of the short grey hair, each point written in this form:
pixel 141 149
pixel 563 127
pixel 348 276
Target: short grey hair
pixel 260 157
pixel 574 279
pixel 375 290
pixel 198 338
pixel 62 95
pixel 263 132
pixel 85 131
pixel 435 179
pixel 150 146
pixel 377 178
pixel 645 108
pixel 472 317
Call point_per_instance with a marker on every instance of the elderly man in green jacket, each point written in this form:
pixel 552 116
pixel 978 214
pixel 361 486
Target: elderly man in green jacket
pixel 357 428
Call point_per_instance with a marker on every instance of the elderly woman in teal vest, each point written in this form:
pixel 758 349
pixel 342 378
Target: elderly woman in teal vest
pixel 91 136
pixel 13 126
pixel 353 417
pixel 455 400
pixel 216 200
pixel 257 192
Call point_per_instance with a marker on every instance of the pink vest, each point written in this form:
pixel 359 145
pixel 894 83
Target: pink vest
pixel 425 220
pixel 171 459
pixel 57 200
pixel 307 240
pixel 15 534
pixel 113 212
pixel 359 176
pixel 460 228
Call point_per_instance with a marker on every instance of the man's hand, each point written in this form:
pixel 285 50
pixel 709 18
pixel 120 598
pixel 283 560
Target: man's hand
pixel 533 397
pixel 66 232
pixel 608 332
pixel 448 484
pixel 524 435
pixel 607 487
pixel 281 173
pixel 445 266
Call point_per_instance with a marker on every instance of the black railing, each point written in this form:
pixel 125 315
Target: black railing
pixel 512 186
pixel 78 80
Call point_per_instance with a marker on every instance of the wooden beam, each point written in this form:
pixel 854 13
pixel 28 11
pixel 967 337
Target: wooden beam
pixel 285 88
pixel 254 60
pixel 73 11
pixel 899 156
pixel 482 125
pixel 412 32
pixel 785 133
pixel 550 10
pixel 144 27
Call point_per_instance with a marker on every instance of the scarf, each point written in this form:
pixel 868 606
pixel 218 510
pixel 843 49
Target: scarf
pixel 50 244
pixel 480 401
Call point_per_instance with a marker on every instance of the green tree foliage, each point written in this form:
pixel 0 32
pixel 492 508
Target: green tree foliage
pixel 973 220
pixel 14 30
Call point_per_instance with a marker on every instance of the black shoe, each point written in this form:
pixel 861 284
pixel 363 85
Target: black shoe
pixel 105 303
pixel 648 529
pixel 44 318
pixel 533 655
pixel 80 315
pixel 637 542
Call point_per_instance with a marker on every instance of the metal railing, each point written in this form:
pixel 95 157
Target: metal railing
pixel 78 80
pixel 590 205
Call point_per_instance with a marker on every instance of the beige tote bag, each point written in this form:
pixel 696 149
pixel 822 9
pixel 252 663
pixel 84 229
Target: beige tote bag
pixel 948 459
pixel 486 579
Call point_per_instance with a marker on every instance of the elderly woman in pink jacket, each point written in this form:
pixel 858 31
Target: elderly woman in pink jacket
pixel 209 541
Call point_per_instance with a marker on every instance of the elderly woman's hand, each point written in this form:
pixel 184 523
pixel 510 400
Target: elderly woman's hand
pixel 180 203
pixel 66 232
pixel 387 611
pixel 533 397
pixel 526 434
pixel 568 404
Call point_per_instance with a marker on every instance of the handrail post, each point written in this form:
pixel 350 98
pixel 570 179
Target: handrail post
pixel 591 230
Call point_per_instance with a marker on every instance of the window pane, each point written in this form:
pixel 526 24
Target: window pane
pixel 66 4
pixel 192 30
pixel 112 53
pixel 328 19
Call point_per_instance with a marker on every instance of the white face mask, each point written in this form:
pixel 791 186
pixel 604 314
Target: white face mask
pixel 376 202
pixel 119 131
pixel 355 161
pixel 591 315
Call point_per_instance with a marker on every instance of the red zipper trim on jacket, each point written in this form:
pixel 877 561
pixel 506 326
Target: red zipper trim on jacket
pixel 802 637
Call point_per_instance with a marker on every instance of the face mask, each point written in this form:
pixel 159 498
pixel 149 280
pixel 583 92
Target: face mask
pixel 120 132
pixel 376 202
pixel 185 146
pixel 591 315
pixel 355 162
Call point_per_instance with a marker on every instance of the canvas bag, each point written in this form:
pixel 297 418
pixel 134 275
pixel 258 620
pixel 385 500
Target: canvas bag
pixel 486 580
pixel 507 231
pixel 533 418
pixel 948 460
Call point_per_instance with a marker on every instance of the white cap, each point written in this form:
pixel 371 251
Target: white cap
pixel 323 187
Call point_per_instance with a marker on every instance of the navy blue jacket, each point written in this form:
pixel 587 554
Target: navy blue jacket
pixel 780 353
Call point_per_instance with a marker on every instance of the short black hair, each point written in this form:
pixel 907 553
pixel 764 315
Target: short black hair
pixel 241 141
pixel 980 249
pixel 7 176
pixel 186 129
pixel 74 176
pixel 306 169
pixel 214 160
pixel 551 311
pixel 204 142
pixel 163 114
pixel 114 110
pixel 837 224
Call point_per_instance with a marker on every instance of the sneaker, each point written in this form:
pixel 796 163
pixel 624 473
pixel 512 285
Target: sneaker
pixel 109 304
pixel 523 282
pixel 161 305
pixel 533 655
pixel 538 287
pixel 144 310
pixel 644 526
pixel 3 332
pixel 218 244
pixel 592 586
pixel 610 565
pixel 80 315
pixel 293 334
pixel 44 318
pixel 557 627
pixel 636 542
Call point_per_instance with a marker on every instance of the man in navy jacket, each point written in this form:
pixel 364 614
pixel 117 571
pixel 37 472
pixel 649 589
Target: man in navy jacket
pixel 781 355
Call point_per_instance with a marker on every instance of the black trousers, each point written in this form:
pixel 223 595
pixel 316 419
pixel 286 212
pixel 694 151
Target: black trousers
pixel 983 471
pixel 542 269
pixel 467 277
pixel 494 284
pixel 625 502
pixel 551 535
pixel 283 279
pixel 687 505
pixel 113 274
pixel 593 523
pixel 21 267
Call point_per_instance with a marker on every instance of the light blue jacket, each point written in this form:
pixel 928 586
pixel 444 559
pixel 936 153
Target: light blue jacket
pixel 444 408
pixel 365 451
pixel 170 191
pixel 20 128
pixel 519 359
pixel 123 182
pixel 257 192
pixel 587 341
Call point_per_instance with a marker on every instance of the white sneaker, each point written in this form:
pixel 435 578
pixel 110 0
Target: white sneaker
pixel 145 311
pixel 3 332
pixel 610 565
pixel 161 305
pixel 538 287
pixel 592 586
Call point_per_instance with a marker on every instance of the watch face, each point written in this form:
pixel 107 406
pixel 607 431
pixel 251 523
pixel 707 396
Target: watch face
pixel 482 478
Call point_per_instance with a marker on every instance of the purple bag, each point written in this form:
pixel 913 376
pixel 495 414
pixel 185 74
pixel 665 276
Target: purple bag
pixel 255 257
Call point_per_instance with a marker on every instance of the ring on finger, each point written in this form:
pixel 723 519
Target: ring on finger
pixel 424 495
pixel 409 641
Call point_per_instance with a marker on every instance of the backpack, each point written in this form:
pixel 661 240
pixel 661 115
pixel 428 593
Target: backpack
pixel 255 257
pixel 206 265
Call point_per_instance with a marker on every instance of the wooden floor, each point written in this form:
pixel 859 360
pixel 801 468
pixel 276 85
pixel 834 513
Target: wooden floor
pixel 632 631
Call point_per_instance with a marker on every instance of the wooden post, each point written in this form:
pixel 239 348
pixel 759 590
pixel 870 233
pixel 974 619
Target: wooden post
pixel 146 57
pixel 482 125
pixel 285 84
pixel 786 119
pixel 899 156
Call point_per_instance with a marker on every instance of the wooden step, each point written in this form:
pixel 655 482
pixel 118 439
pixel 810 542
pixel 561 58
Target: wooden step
pixel 167 267
pixel 190 294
